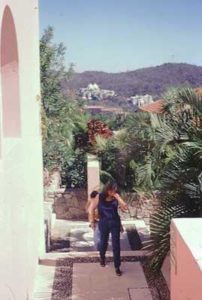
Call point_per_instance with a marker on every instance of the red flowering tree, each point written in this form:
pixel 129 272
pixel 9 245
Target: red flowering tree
pixel 97 127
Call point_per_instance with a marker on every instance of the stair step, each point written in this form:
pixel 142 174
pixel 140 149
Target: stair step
pixel 51 258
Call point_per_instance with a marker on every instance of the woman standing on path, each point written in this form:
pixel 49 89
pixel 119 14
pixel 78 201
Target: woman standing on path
pixel 109 222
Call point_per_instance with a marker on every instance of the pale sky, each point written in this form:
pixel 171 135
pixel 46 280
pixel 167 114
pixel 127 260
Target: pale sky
pixel 120 35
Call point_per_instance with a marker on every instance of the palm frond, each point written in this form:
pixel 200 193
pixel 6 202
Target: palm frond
pixel 159 243
pixel 193 99
pixel 121 139
pixel 101 144
pixel 106 176
pixel 145 174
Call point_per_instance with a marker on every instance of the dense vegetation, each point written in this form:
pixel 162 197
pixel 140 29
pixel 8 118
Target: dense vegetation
pixel 153 80
pixel 62 118
pixel 161 152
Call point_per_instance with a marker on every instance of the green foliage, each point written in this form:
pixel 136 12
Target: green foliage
pixel 181 176
pixel 182 179
pixel 161 152
pixel 62 119
pixel 127 156
pixel 52 73
pixel 160 231
pixel 145 174
pixel 76 174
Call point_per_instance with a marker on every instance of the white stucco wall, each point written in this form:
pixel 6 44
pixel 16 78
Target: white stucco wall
pixel 21 189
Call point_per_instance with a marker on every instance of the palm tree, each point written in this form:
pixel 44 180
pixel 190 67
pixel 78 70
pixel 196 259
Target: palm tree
pixel 162 152
pixel 181 134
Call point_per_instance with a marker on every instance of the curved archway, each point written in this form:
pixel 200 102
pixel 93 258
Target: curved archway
pixel 10 77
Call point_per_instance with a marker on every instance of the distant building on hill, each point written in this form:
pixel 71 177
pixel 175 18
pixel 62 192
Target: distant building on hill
pixel 93 87
pixel 140 100
pixel 94 92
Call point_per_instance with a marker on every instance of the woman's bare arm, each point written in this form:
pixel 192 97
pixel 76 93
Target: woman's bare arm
pixel 121 202
pixel 88 204
pixel 91 211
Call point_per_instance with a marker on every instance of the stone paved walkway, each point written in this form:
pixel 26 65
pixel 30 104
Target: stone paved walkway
pixel 91 282
pixel 53 281
pixel 78 236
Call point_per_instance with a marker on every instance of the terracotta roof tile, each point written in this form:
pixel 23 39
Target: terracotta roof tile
pixel 198 91
pixel 154 107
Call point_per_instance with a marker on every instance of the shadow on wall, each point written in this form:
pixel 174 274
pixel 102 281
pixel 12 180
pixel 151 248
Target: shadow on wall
pixel 10 77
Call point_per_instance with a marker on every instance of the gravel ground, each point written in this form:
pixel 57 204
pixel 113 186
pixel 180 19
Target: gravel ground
pixel 62 287
pixel 157 284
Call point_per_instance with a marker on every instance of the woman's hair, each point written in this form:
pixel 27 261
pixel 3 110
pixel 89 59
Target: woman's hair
pixel 110 186
pixel 93 194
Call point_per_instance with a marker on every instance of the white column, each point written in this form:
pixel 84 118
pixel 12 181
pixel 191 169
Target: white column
pixel 93 173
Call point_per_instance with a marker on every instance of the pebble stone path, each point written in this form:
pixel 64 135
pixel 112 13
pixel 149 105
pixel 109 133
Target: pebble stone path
pixel 89 280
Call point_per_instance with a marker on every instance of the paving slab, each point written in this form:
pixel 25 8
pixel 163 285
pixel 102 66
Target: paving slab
pixel 140 294
pixel 90 281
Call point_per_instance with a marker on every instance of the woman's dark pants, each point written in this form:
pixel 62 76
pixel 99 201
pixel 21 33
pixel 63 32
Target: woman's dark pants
pixel 106 227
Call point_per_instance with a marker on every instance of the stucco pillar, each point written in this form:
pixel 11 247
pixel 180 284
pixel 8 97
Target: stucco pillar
pixel 93 173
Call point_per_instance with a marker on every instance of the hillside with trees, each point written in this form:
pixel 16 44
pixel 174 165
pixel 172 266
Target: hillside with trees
pixel 153 80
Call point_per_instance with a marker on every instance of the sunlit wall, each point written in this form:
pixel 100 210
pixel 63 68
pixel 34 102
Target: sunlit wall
pixel 21 189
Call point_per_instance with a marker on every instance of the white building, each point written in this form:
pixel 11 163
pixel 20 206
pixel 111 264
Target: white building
pixel 140 100
pixel 94 92
pixel 93 87
pixel 21 182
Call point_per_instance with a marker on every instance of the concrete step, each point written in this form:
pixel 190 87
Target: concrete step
pixel 78 236
pixel 50 259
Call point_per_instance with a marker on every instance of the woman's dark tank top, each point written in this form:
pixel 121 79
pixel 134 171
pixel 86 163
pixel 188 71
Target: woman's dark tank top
pixel 107 209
